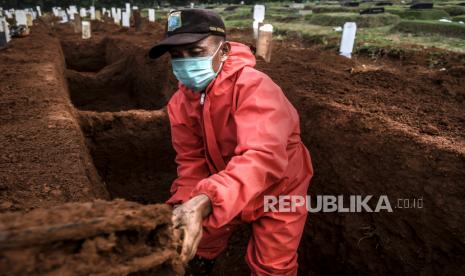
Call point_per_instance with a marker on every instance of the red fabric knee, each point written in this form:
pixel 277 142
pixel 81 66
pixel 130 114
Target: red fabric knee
pixel 272 249
pixel 214 241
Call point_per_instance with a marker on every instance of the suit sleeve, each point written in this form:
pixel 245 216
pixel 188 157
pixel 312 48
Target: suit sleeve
pixel 264 120
pixel 190 158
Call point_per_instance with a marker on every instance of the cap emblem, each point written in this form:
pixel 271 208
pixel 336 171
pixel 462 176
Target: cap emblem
pixel 174 21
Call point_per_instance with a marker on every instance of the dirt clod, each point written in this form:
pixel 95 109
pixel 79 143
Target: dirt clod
pixel 112 238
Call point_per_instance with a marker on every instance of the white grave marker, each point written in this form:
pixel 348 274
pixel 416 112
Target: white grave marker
pixel 83 12
pixel 255 29
pixel 64 17
pixel 128 9
pixel 92 13
pixel 56 12
pixel 4 30
pixel 118 14
pixel 20 17
pixel 86 32
pixel 39 11
pixel 7 31
pixel 72 11
pixel 126 19
pixel 259 13
pixel 348 39
pixel 192 5
pixel 152 15
pixel 113 12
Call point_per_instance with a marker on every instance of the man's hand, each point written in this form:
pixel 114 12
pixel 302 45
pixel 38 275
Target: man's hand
pixel 188 217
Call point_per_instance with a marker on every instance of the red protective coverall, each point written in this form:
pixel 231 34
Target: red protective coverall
pixel 241 144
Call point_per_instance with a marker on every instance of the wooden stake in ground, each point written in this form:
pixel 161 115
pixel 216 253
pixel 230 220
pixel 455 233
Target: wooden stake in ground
pixel 264 43
pixel 77 24
pixel 98 15
pixel 137 20
pixel 86 32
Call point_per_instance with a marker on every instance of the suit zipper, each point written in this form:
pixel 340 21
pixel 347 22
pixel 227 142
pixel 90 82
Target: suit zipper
pixel 202 98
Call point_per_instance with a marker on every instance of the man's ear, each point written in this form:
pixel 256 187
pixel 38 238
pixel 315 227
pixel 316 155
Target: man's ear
pixel 225 49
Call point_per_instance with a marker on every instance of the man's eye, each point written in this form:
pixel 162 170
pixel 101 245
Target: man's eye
pixel 196 53
pixel 175 55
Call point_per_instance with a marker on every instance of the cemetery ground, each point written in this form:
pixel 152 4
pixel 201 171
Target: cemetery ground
pixel 85 120
pixel 398 27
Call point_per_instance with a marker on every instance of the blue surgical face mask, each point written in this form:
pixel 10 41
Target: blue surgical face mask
pixel 195 73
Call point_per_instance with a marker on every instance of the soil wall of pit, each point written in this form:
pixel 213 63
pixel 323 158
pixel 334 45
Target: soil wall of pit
pixel 44 160
pixel 113 73
pixel 120 95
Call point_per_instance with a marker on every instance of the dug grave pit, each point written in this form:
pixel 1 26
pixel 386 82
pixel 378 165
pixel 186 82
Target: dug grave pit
pixel 107 73
pixel 120 95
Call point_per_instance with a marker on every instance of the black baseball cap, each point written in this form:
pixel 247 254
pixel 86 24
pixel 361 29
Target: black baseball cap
pixel 186 27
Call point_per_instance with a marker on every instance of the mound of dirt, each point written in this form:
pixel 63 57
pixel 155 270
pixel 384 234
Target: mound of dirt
pixel 112 238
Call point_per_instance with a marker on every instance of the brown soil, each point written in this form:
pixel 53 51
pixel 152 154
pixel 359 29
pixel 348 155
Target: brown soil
pixel 43 158
pixel 112 238
pixel 132 152
pixel 393 125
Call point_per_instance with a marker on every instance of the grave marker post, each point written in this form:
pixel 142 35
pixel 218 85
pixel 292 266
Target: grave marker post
pixel 264 43
pixel 348 39
pixel 152 15
pixel 86 31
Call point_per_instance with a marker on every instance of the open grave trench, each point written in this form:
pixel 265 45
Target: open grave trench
pixel 120 96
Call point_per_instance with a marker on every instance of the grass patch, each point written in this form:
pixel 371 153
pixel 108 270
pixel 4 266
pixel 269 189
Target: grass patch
pixel 306 32
pixel 454 10
pixel 458 18
pixel 332 9
pixel 238 23
pixel 363 21
pixel 431 27
pixel 432 14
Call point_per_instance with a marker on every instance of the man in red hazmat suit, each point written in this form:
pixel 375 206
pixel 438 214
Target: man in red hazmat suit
pixel 237 140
